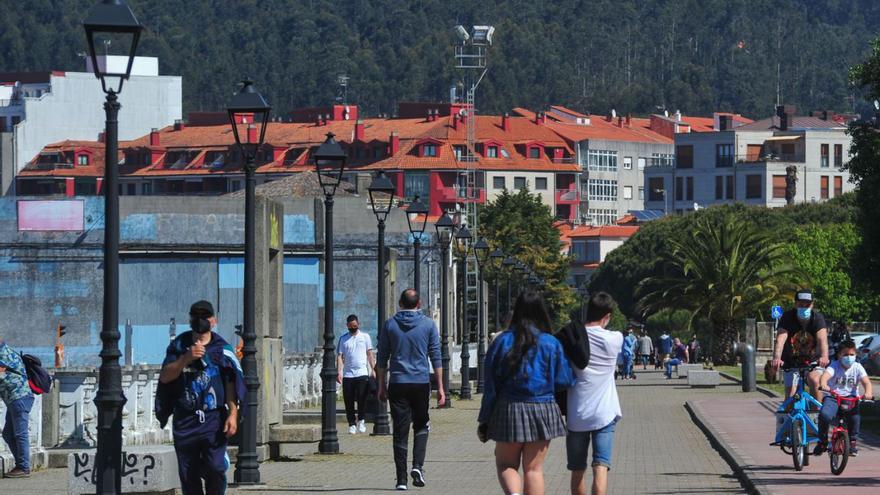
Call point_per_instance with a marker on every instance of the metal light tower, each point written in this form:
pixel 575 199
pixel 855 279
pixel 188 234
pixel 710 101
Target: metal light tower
pixel 462 238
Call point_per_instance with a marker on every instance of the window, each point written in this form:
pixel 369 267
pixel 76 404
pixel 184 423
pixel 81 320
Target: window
pixel 492 152
pixel 603 216
pixel 378 152
pixel 132 189
pixel 689 188
pixel 779 187
pixel 579 251
pixel 416 184
pixel 838 186
pixel 679 188
pixel 627 192
pixel 602 160
pixel 499 182
pixel 753 187
pixel 519 183
pixel 723 155
pixel 684 154
pixel 823 155
pixel 505 154
pixel 642 162
pixel 719 187
pixel 429 149
pixel 601 190
pixel 641 192
pixel 594 254
pixel 146 189
pixel 662 160
pixel 540 183
pixel 823 187
pixel 235 185
pixel 838 155
pixel 534 152
pixel 459 151
pixel 82 160
pixel 656 189
pixel 730 187
pixel 627 163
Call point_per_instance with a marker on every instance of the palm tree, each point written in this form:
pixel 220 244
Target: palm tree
pixel 723 269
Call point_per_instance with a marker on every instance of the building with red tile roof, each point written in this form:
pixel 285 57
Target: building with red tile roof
pixel 589 245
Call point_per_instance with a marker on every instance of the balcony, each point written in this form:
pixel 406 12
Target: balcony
pixel 772 157
pixel 461 194
pixel 656 162
pixel 568 196
pixel 565 160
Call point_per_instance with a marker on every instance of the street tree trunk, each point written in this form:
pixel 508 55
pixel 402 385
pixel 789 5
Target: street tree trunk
pixel 724 336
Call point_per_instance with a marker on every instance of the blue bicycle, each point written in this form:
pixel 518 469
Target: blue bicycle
pixel 798 429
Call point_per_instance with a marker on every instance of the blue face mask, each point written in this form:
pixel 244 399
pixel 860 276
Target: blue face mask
pixel 804 313
pixel 848 361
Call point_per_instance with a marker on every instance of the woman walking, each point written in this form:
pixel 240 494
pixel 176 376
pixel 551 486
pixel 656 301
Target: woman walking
pixel 525 366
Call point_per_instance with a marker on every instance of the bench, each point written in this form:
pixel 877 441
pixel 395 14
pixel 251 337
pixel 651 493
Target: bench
pixel 150 469
pixel 685 369
pixel 703 379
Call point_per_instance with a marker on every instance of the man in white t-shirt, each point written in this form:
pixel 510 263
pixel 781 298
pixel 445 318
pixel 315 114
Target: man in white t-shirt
pixel 842 377
pixel 593 406
pixel 356 364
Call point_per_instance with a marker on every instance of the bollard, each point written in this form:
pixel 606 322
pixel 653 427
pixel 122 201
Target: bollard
pixel 747 354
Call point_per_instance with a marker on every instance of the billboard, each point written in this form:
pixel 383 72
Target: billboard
pixel 50 216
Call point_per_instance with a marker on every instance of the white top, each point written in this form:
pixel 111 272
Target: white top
pixel 354 350
pixel 592 401
pixel 845 381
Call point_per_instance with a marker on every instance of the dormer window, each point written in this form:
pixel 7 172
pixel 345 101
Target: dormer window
pixel 492 152
pixel 534 152
pixel 429 149
pixel 215 159
pixel 82 160
pixel 377 152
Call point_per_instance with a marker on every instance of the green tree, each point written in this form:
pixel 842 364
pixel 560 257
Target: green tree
pixel 720 270
pixel 522 226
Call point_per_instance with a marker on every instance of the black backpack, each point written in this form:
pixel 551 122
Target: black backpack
pixel 38 378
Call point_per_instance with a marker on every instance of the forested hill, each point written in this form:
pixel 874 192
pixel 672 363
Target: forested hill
pixel 592 55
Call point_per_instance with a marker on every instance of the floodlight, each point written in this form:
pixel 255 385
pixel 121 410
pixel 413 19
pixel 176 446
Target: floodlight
pixel 462 33
pixel 483 34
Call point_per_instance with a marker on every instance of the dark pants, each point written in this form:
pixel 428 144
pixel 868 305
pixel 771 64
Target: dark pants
pixel 15 432
pixel 409 405
pixel 694 356
pixel 829 411
pixel 355 390
pixel 201 455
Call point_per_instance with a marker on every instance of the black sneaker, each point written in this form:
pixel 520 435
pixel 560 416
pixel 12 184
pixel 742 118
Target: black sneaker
pixel 418 477
pixel 18 473
pixel 820 448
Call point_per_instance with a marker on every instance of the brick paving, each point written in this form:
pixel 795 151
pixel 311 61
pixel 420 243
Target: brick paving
pixel 658 450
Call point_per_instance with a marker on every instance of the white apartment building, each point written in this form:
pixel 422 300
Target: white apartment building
pixel 40 108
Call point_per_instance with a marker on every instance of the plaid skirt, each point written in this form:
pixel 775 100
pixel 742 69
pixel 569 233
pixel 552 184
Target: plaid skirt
pixel 525 422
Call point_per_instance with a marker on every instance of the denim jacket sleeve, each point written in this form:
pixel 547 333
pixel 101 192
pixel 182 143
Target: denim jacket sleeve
pixel 489 386
pixel 563 377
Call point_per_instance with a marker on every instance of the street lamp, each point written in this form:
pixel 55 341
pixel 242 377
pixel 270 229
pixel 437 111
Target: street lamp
pixel 495 261
pixel 509 265
pixel 111 19
pixel 417 219
pixel 481 253
pixel 248 102
pixel 462 238
pixel 444 227
pixel 329 163
pixel 381 192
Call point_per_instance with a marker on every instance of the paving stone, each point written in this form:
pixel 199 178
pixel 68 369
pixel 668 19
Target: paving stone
pixel 704 378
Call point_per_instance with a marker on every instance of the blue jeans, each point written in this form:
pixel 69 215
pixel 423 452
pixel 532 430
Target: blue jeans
pixel 577 443
pixel 829 411
pixel 644 359
pixel 627 366
pixel 670 364
pixel 15 433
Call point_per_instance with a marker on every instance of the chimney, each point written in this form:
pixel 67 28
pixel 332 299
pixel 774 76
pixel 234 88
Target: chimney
pixel 251 133
pixel 724 122
pixel 359 130
pixel 786 115
pixel 179 125
pixel 629 118
pixel 154 137
pixel 394 144
pixel 678 115
pixel 318 121
pixel 620 122
pixel 101 137
pixel 613 115
pixel 327 118
pixel 464 118
pixel 828 115
pixel 430 117
pixel 455 122
pixel 505 122
pixel 540 118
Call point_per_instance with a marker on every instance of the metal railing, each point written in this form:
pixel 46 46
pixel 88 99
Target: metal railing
pixel 771 157
pixel 568 195
pixel 661 162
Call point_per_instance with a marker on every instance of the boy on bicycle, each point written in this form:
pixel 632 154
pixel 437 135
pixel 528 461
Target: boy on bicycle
pixel 842 377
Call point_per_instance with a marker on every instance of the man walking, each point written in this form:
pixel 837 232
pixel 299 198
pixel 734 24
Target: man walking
pixel 409 340
pixel 593 405
pixel 18 397
pixel 355 362
pixel 646 348
pixel 664 348
pixel 201 384
pixel 629 354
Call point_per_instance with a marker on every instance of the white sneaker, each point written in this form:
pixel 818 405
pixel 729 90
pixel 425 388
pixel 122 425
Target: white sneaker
pixel 352 430
pixel 362 426
pixel 401 487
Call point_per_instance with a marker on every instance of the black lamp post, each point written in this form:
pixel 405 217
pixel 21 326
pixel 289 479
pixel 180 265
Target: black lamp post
pixel 444 227
pixel 496 259
pixel 248 102
pixel 111 19
pixel 417 219
pixel 329 163
pixel 462 238
pixel 382 200
pixel 481 253
pixel 509 265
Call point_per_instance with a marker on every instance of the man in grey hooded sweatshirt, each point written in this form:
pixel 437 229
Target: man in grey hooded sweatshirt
pixel 409 340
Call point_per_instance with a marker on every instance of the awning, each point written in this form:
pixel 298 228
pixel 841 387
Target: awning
pixel 783 138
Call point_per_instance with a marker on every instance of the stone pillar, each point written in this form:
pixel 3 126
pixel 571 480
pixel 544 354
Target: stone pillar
pixel 392 290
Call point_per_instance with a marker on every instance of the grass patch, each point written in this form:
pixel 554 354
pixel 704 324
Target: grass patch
pixel 736 371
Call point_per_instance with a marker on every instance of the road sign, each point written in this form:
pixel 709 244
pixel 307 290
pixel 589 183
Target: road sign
pixel 776 312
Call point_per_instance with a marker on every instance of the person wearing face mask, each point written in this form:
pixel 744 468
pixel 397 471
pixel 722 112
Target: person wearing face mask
pixel 843 377
pixel 202 386
pixel 356 364
pixel 801 338
pixel 18 397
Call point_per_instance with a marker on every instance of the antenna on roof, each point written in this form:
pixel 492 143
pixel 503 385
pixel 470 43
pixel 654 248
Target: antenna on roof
pixel 342 89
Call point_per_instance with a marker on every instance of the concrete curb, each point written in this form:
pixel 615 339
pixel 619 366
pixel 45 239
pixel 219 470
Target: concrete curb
pixel 730 456
pixel 765 391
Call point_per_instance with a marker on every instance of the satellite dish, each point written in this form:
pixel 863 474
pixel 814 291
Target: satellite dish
pixel 462 112
pixel 876 105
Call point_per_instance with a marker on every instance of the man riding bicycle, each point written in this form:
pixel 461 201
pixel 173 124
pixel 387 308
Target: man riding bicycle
pixel 801 338
pixel 842 377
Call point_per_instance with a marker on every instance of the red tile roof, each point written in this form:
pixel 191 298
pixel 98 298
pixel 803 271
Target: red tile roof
pixel 68 168
pixel 603 231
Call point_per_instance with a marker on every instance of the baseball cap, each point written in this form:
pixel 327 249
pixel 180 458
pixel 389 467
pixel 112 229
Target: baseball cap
pixel 202 308
pixel 804 295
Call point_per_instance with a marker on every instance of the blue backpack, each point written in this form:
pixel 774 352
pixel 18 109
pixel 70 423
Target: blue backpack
pixel 38 378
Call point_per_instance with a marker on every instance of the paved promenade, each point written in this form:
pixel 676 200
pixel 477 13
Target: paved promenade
pixel 658 450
